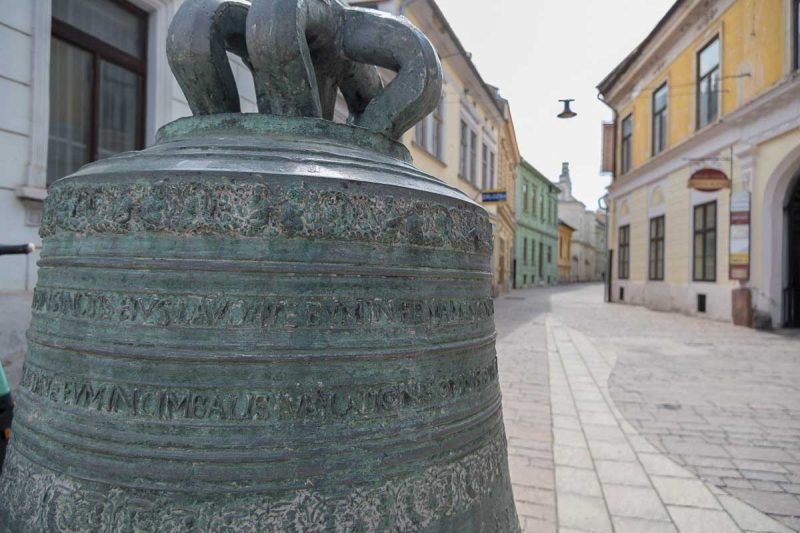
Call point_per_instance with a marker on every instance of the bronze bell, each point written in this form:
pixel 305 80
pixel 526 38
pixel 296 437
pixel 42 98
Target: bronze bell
pixel 266 322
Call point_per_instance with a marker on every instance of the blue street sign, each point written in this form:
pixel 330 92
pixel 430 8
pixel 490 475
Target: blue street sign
pixel 495 196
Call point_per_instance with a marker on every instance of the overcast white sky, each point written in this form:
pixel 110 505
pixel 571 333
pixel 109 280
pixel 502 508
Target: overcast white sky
pixel 539 51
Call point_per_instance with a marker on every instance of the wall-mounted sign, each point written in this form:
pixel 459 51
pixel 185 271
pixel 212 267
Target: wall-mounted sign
pixel 494 196
pixel 739 257
pixel 709 180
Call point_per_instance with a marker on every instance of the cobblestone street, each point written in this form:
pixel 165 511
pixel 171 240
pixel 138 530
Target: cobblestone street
pixel 623 419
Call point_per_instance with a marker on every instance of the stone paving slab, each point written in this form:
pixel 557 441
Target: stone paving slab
pixel 608 476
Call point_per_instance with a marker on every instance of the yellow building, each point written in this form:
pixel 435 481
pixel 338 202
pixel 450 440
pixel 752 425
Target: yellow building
pixel 705 198
pixel 565 232
pixel 469 141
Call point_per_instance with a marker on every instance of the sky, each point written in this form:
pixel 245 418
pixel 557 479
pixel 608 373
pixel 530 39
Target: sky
pixel 540 51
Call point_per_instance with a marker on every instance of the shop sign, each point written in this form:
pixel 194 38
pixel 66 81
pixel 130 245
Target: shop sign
pixel 709 180
pixel 494 196
pixel 739 258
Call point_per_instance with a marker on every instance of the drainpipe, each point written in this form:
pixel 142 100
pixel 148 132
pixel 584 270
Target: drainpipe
pixel 610 265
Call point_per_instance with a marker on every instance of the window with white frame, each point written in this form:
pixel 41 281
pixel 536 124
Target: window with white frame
pixel 626 146
pixel 796 34
pixel 492 170
pixel 485 166
pixel 524 197
pixel 473 158
pixel 428 133
pixel 463 150
pixel 437 131
pixel 660 97
pixel 708 83
pixel 421 133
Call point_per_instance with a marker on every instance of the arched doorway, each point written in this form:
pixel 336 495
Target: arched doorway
pixel 792 293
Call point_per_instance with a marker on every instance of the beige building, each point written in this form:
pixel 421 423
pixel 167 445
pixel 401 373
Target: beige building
pixel 588 246
pixel 704 208
pixel 469 141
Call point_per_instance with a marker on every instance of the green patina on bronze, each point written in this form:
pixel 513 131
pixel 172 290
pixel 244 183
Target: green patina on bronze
pixel 261 323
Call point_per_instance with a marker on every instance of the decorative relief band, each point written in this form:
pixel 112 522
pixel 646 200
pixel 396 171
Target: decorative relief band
pixel 218 311
pixel 262 210
pixel 57 503
pixel 340 403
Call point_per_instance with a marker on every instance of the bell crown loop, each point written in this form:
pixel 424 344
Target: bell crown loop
pixel 302 53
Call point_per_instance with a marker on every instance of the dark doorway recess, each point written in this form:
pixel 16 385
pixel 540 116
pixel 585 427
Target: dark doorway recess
pixel 792 296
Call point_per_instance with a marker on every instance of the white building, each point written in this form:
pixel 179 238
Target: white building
pixel 588 248
pixel 79 80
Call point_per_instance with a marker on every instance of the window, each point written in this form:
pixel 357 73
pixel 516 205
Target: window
pixel 463 149
pixel 627 140
pixel 624 252
pixel 487 182
pixel 797 34
pixel 533 203
pixel 438 132
pixel 660 119
pixel 657 249
pixel 473 158
pixel 524 197
pixel 705 242
pixel 421 133
pixel 541 259
pixel 492 170
pixel 549 254
pixel 541 207
pixel 533 252
pixel 97 96
pixel 525 251
pixel 708 79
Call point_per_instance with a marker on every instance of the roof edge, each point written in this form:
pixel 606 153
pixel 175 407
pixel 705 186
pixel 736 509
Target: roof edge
pixel 613 77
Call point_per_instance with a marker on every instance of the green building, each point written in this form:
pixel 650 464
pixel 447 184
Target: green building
pixel 536 256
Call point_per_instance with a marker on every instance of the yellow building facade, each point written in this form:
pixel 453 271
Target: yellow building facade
pixel 706 159
pixel 469 141
pixel 565 232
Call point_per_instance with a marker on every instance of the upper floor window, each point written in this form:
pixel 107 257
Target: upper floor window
pixel 473 158
pixel 796 34
pixel 492 170
pixel 428 133
pixel 705 242
pixel 437 134
pixel 485 166
pixel 708 83
pixel 421 133
pixel 97 96
pixel 525 251
pixel 660 97
pixel 524 197
pixel 463 150
pixel 533 202
pixel 541 207
pixel 627 142
pixel 624 252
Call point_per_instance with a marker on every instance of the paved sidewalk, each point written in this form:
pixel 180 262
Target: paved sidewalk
pixel 648 413
pixel 608 477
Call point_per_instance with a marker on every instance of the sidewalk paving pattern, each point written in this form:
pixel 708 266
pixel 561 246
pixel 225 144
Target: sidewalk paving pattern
pixel 612 473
